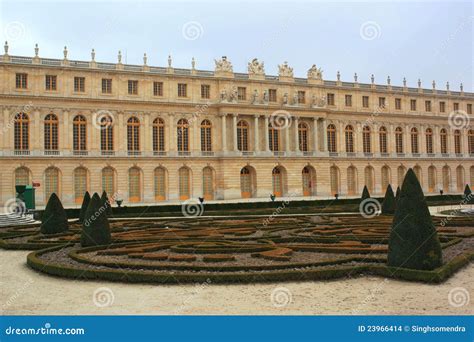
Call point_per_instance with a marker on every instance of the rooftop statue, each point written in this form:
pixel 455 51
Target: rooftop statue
pixel 223 65
pixel 284 70
pixel 256 68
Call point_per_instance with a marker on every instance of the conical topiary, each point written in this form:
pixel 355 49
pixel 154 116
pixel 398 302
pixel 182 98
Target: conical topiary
pixel 388 205
pixel 413 241
pixel 106 203
pixel 397 193
pixel 468 197
pixel 54 218
pixel 95 228
pixel 365 193
pixel 85 204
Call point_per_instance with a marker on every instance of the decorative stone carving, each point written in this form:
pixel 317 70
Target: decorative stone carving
pixel 93 55
pixel 223 65
pixel 36 50
pixel 233 95
pixel 284 70
pixel 256 68
pixel 295 99
pixel 265 96
pixel 223 95
pixel 145 59
pixel 119 57
pixel 193 64
pixel 65 52
pixel 285 98
pixel 255 96
pixel 315 73
pixel 170 61
pixel 5 47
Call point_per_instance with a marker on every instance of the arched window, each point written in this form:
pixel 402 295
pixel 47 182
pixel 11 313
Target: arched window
pixel 277 181
pixel 183 135
pixel 401 171
pixel 208 183
pixel 80 184
pixel 133 134
pixel 351 181
pixel 206 136
pixel 160 184
pixel 460 178
pixel 414 140
pixel 417 170
pixel 331 136
pixel 385 177
pixel 470 136
pixel 303 137
pixel 308 181
pixel 399 140
pixel 134 185
pixel 106 134
pixel 243 136
pixel 457 142
pixel 431 179
pixel 108 181
pixel 51 182
pixel 246 182
pixel 446 179
pixel 349 132
pixel 51 132
pixel 158 135
pixel 334 180
pixel 366 141
pixel 79 133
pixel 22 176
pixel 383 140
pixel 429 141
pixel 22 132
pixel 369 178
pixel 184 183
pixel 444 140
pixel 274 136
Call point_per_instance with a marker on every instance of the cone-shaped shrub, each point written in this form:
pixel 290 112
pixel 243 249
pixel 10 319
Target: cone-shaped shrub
pixel 95 228
pixel 105 202
pixel 397 193
pixel 54 218
pixel 388 205
pixel 468 197
pixel 413 241
pixel 365 193
pixel 85 204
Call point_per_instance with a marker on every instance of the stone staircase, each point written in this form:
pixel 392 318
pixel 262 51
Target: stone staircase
pixel 8 220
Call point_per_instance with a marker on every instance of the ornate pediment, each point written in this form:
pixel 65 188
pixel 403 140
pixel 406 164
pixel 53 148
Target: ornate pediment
pixel 256 68
pixel 315 73
pixel 223 65
pixel 284 70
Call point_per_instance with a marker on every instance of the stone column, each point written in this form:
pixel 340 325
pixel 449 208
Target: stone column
pixel 287 139
pixel 7 128
pixel 465 141
pixel 120 132
pixel 296 137
pixel 436 140
pixel 195 136
pixel 171 133
pixel 37 137
pixel 407 132
pixel 358 143
pixel 315 135
pixel 265 130
pixel 146 129
pixel 223 132
pixel 234 131
pixel 391 140
pixel 256 137
pixel 373 138
pixel 66 132
pixel 422 140
pixel 324 143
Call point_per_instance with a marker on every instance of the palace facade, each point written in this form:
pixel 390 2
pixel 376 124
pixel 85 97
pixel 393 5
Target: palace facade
pixel 161 134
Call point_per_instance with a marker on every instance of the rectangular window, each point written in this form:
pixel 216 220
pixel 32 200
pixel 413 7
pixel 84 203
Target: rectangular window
pixel 428 106
pixel 205 91
pixel 182 90
pixel 301 97
pixel 158 88
pixel 456 106
pixel 442 107
pixel 50 82
pixel 241 93
pixel 132 87
pixel 21 81
pixel 79 84
pixel 365 101
pixel 348 100
pixel 331 101
pixel 382 102
pixel 106 86
pixel 398 104
pixel 272 95
pixel 469 108
pixel 412 104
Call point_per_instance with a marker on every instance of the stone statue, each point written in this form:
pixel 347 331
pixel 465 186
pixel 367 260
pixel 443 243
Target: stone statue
pixel 170 61
pixel 120 56
pixel 285 98
pixel 233 95
pixel 295 99
pixel 223 65
pixel 5 47
pixel 284 70
pixel 193 63
pixel 315 73
pixel 265 96
pixel 36 50
pixel 93 55
pixel 255 96
pixel 256 68
pixel 145 59
pixel 65 52
pixel 223 95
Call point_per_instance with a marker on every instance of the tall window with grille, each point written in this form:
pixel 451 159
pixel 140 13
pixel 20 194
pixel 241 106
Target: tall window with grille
pixel 51 132
pixel 108 180
pixel 460 178
pixel 184 184
pixel 106 134
pixel 160 184
pixel 431 179
pixel 22 132
pixel 133 134
pixel 330 99
pixel 398 140
pixel 385 177
pixel 331 137
pixel 242 136
pixel 442 106
pixel 303 137
pixel 182 90
pixel 79 84
pixel 206 136
pixel 398 104
pixel 158 88
pixel 51 182
pixel 134 184
pixel 205 91
pixel 428 106
pixel 366 140
pixel 21 81
pixel 272 95
pixel 429 140
pixel 351 180
pixel 51 82
pixel 470 141
pixel 369 178
pixel 469 108
pixel 274 136
pixel 443 138
pixel 132 87
pixel 79 133
pixel 446 174
pixel 383 140
pixel 80 184
pixel 413 104
pixel 301 97
pixel 241 93
pixel 457 142
pixel 334 180
pixel 455 106
pixel 401 171
pixel 414 140
pixel 158 135
pixel 208 183
pixel 349 133
pixel 22 176
pixel 182 135
pixel 348 100
pixel 365 101
pixel 382 102
pixel 106 86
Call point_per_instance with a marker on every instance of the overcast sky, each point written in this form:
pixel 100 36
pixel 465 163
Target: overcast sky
pixel 427 40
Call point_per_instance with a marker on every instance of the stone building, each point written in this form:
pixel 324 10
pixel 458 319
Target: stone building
pixel 151 134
